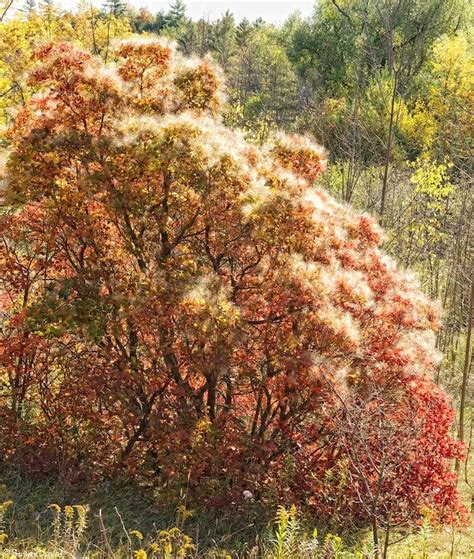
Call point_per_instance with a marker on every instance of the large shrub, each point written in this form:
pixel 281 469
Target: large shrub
pixel 186 307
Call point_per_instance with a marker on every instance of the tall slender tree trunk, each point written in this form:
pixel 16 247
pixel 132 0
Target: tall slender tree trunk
pixel 94 42
pixel 388 153
pixel 466 370
pixel 351 175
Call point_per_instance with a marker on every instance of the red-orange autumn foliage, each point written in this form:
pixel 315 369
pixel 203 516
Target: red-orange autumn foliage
pixel 179 304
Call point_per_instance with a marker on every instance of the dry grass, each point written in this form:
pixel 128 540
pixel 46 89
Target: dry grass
pixel 123 521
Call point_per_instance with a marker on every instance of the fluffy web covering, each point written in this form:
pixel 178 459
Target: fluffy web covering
pixel 184 306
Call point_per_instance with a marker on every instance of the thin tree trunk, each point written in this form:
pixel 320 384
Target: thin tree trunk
pixel 375 536
pixel 388 155
pixel 351 175
pixel 465 373
pixel 386 543
pixel 7 6
pixel 94 42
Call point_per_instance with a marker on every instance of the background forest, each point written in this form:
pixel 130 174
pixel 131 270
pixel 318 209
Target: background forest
pixel 386 86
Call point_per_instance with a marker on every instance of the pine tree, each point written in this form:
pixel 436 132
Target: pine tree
pixel 224 39
pixel 29 7
pixel 243 32
pixel 116 8
pixel 176 15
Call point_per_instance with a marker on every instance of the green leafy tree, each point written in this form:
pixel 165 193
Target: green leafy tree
pixel 263 86
pixel 195 37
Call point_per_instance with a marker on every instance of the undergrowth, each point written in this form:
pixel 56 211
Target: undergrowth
pixel 54 521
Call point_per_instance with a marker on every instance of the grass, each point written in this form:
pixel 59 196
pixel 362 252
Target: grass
pixel 123 520
pixel 118 521
pixel 114 512
pixel 448 543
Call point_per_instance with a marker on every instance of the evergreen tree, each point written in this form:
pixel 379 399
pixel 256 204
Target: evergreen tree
pixel 29 7
pixel 224 39
pixel 176 15
pixel 116 8
pixel 159 21
pixel 243 32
